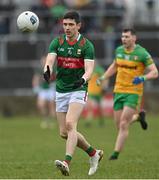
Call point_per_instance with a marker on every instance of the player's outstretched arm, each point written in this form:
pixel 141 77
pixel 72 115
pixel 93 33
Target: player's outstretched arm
pixel 109 72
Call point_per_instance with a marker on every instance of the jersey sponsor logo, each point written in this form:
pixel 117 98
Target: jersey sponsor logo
pixel 79 51
pixel 61 49
pixel 70 49
pixel 127 57
pixel 72 63
pixel 119 55
pixel 135 58
pixel 127 67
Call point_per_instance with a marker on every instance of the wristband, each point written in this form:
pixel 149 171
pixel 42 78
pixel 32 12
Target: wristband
pixel 144 78
pixel 84 79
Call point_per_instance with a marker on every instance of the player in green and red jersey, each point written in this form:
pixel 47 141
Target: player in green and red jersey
pixel 131 61
pixel 75 63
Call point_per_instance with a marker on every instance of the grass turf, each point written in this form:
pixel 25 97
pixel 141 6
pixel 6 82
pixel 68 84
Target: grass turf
pixel 28 152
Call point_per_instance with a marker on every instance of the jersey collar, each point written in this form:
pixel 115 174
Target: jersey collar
pixel 73 42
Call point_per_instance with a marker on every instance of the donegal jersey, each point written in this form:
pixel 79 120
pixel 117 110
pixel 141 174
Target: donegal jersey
pixel 130 65
pixel 70 61
pixel 93 89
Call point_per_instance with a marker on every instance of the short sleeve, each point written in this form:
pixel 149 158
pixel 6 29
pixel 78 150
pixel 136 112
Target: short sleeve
pixel 53 46
pixel 89 52
pixel 115 54
pixel 147 59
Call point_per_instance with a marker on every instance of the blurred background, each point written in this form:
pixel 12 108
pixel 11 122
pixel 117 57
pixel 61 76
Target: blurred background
pixel 102 22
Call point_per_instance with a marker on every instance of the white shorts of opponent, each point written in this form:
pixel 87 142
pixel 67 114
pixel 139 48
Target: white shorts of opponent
pixel 47 94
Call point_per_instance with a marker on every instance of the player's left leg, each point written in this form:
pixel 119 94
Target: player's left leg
pixel 76 139
pixel 125 120
pixel 117 117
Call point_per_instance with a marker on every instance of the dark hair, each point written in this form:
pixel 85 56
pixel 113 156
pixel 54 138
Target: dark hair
pixel 133 32
pixel 73 15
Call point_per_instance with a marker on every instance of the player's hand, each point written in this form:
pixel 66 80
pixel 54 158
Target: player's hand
pixel 79 83
pixel 139 80
pixel 99 80
pixel 47 74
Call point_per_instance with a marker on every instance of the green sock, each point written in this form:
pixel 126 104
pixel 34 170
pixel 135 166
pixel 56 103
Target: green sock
pixel 91 151
pixel 115 154
pixel 68 159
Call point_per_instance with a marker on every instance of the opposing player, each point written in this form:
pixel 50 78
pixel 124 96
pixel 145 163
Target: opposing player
pixel 131 61
pixel 45 96
pixel 75 63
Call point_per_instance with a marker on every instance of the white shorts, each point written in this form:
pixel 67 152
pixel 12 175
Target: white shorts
pixel 64 99
pixel 47 94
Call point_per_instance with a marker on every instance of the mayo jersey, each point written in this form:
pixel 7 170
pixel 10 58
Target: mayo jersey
pixel 70 61
pixel 130 65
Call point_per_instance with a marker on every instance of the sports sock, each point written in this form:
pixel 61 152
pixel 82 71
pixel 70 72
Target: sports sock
pixel 91 151
pixel 68 159
pixel 115 154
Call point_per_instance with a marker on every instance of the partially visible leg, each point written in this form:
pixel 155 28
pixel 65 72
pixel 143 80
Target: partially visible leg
pixel 90 112
pixel 52 108
pixel 43 110
pixel 141 118
pixel 51 113
pixel 140 115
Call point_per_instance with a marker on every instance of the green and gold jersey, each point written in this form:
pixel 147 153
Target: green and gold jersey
pixel 130 65
pixel 70 61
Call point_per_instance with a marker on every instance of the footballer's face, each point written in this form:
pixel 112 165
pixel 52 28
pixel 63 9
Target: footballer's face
pixel 128 40
pixel 71 28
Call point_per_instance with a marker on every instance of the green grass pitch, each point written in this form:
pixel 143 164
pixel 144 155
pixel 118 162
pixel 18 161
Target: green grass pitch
pixel 28 152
